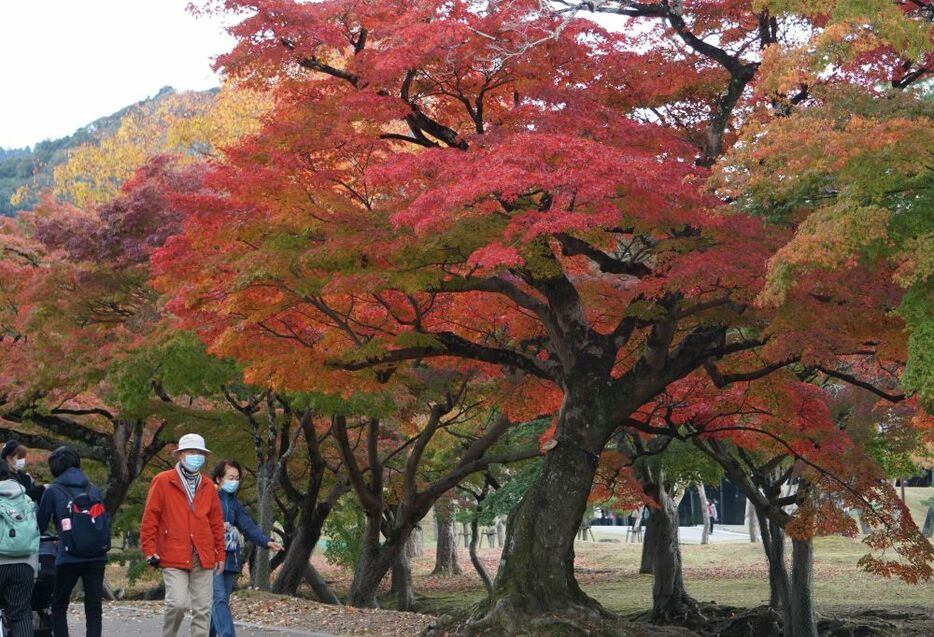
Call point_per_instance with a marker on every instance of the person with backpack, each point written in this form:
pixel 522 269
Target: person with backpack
pixel 226 476
pixel 13 455
pixel 83 525
pixel 19 553
pixel 183 534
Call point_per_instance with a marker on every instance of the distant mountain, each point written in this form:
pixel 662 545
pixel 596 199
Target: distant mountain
pixel 23 166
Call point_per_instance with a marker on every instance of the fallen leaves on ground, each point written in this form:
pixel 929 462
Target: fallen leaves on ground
pixel 265 609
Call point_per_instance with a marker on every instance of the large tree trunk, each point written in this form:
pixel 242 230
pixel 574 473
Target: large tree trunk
pixel 375 560
pixel 306 537
pixel 648 545
pixel 402 581
pixel 536 574
pixel 372 566
pixel 670 601
pixel 446 550
pixel 312 515
pixel 320 587
pixel 115 490
pixel 803 621
pixel 773 543
pixel 265 501
pixel 705 514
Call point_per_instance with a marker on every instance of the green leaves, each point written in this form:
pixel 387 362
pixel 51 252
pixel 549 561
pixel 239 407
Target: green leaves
pixel 917 309
pixel 180 365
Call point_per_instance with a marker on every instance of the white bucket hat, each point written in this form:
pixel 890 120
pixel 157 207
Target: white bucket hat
pixel 192 441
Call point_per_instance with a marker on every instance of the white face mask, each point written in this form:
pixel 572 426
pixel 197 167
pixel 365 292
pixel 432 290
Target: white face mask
pixel 20 464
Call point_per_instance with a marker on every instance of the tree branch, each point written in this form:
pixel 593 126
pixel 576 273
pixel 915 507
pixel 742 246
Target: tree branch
pixel 853 380
pixel 572 246
pixel 721 380
pixel 450 344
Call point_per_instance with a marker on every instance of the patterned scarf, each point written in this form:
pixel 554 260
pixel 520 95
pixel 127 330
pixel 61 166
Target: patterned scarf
pixel 190 480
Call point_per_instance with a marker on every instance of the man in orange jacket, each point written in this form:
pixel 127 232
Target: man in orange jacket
pixel 183 534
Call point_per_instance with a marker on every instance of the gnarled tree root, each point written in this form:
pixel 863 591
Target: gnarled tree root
pixel 679 610
pixel 504 619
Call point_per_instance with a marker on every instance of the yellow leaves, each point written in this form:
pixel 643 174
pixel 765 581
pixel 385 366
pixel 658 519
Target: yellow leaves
pixel 844 31
pixel 828 239
pixel 918 262
pixel 783 71
pixel 190 125
pixel 93 174
pixel 235 113
pixel 847 173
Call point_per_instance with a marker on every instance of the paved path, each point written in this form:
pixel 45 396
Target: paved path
pixel 687 534
pixel 123 621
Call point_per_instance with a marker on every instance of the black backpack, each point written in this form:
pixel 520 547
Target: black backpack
pixel 85 530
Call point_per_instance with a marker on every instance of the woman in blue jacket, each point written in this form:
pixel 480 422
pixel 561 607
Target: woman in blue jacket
pixel 226 476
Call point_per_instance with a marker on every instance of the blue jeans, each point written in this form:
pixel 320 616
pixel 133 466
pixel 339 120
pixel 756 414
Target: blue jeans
pixel 222 624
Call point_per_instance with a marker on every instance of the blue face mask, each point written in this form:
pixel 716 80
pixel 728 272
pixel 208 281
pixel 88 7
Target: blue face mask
pixel 231 486
pixel 193 462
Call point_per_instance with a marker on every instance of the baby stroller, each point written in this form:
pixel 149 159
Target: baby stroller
pixel 41 590
pixel 44 586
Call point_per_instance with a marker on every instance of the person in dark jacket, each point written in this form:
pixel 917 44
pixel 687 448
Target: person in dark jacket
pixel 226 476
pixel 69 483
pixel 14 455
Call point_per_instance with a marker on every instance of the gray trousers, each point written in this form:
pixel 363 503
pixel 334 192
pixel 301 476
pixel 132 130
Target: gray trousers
pixel 188 589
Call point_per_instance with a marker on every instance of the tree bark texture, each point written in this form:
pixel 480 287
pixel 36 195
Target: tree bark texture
pixel 446 532
pixel 293 569
pixel 670 601
pixel 803 620
pixel 475 559
pixel 374 561
pixel 312 515
pixel 705 514
pixel 265 501
pixel 319 586
pixel 752 522
pixel 402 581
pixel 416 544
pixel 536 572
pixel 773 543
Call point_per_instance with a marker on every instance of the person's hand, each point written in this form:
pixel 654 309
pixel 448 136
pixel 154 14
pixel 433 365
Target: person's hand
pixel 274 546
pixel 153 560
pixel 218 568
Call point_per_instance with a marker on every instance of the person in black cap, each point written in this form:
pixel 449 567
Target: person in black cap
pixel 14 455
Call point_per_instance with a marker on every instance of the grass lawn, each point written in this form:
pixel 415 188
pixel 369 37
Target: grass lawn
pixel 731 573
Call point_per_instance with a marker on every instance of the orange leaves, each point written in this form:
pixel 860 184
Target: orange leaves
pixel 894 530
pixel 616 485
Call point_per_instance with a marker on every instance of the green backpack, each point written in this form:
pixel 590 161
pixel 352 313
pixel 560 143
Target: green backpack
pixel 19 532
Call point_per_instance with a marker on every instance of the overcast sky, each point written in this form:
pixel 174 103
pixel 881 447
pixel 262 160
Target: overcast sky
pixel 66 63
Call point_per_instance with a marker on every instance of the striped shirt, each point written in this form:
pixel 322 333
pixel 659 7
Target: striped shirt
pixel 190 481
